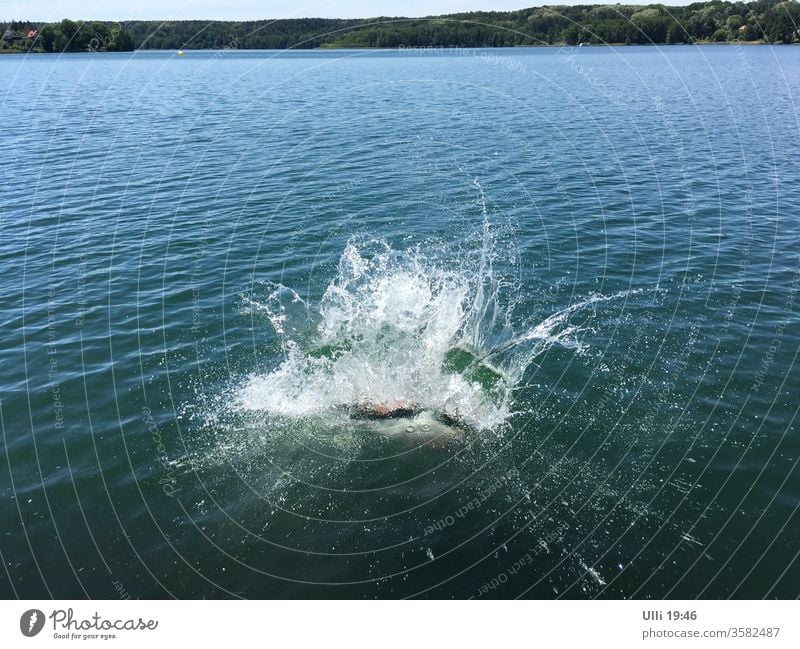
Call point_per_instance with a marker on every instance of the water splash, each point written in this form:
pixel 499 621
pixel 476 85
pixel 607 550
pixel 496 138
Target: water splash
pixel 431 325
pixel 418 325
pixel 383 330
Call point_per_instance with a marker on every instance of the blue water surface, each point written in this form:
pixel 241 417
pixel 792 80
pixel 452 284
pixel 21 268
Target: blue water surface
pixel 148 200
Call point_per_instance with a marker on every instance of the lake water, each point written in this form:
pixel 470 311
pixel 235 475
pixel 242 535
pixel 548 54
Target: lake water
pixel 586 260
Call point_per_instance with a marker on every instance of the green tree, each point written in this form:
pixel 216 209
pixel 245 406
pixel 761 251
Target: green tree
pixel 122 42
pixel 74 36
pixel 47 38
pixel 781 22
pixel 68 31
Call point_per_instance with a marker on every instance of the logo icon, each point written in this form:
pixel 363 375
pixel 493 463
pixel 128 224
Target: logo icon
pixel 31 622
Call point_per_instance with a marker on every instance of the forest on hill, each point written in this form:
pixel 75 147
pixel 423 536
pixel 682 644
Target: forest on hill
pixel 771 21
pixel 768 20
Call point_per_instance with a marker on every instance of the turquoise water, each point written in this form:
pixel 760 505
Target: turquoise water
pixel 589 258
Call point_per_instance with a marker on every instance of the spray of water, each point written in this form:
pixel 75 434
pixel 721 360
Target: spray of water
pixel 411 326
pixel 430 325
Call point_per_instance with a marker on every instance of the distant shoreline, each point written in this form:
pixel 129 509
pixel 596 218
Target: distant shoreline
pixel 758 22
pixel 330 48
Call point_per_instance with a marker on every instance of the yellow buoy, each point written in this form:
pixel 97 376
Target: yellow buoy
pixel 180 52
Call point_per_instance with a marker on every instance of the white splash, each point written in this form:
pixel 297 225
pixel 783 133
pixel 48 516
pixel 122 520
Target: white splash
pixel 404 325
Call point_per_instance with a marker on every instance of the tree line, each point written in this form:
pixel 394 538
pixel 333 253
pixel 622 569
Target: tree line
pixel 773 21
pixel 66 36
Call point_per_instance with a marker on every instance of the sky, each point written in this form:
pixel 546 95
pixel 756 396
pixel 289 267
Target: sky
pixel 54 10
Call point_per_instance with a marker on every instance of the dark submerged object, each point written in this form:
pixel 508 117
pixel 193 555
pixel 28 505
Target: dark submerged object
pixel 403 409
pixel 386 410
